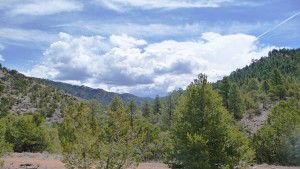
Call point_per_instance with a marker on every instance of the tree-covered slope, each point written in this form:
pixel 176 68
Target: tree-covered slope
pixel 251 92
pixel 99 94
pixel 22 95
pixel 287 61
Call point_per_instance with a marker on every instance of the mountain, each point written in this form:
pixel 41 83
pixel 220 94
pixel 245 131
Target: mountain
pixel 22 95
pixel 99 94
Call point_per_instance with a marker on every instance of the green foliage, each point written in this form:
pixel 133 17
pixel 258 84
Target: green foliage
pixel 156 105
pixel 146 108
pixel 92 137
pixel 277 78
pixel 150 140
pixel 168 110
pixel 203 133
pixel 95 114
pixel 265 86
pixel 4 145
pixel 29 133
pixel 235 102
pixel 131 110
pixel 78 139
pixel 278 141
pixel 2 87
pixel 224 89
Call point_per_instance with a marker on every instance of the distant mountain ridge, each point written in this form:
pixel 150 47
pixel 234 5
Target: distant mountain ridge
pixel 101 95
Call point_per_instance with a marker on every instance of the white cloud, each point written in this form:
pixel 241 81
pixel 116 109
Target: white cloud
pixel 124 41
pixel 37 7
pixel 122 5
pixel 2 58
pixel 117 64
pixel 26 35
pixel 2 47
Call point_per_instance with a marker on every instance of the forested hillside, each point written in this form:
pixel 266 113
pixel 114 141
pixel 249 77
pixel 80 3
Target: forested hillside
pixel 101 95
pixel 265 97
pixel 20 95
pixel 29 112
pixel 250 90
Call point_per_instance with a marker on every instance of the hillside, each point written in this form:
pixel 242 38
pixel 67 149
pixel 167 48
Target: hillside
pixel 251 92
pixel 287 61
pixel 22 95
pixel 99 94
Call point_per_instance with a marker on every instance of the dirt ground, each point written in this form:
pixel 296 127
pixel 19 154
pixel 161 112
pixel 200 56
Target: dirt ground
pixel 49 161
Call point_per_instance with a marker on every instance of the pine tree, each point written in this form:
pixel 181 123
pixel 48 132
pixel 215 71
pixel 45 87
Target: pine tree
pixel 265 86
pixel 277 142
pixel 131 109
pixel 118 137
pixel 146 108
pixel 156 105
pixel 78 138
pixel 279 85
pixel 168 112
pixel 224 91
pixel 235 102
pixel 203 132
pixel 277 78
pixel 4 146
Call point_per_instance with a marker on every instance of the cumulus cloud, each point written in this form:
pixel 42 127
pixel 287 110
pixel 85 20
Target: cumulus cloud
pixel 2 48
pixel 37 7
pixel 119 64
pixel 121 5
pixel 124 41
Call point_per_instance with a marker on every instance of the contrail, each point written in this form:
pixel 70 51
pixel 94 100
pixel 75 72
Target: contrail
pixel 269 30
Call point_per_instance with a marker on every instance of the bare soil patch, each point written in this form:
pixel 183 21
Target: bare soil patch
pixel 265 166
pixel 51 161
pixel 153 165
pixel 32 161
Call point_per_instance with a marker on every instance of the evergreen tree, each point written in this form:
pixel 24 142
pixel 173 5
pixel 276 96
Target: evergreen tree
pixel 265 86
pixel 146 108
pixel 235 102
pixel 279 85
pixel 168 112
pixel 131 109
pixel 95 114
pixel 224 91
pixel 277 78
pixel 4 146
pixel 118 138
pixel 252 85
pixel 277 142
pixel 203 132
pixel 156 105
pixel 78 138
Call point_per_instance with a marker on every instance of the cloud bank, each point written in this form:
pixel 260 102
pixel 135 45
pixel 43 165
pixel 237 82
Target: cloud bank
pixel 38 8
pixel 121 63
pixel 120 5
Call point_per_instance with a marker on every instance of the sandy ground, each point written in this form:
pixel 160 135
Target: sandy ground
pixel 273 167
pixel 48 161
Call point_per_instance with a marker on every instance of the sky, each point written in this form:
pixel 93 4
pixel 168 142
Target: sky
pixel 142 47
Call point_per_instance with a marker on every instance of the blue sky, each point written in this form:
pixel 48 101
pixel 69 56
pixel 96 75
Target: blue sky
pixel 143 47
